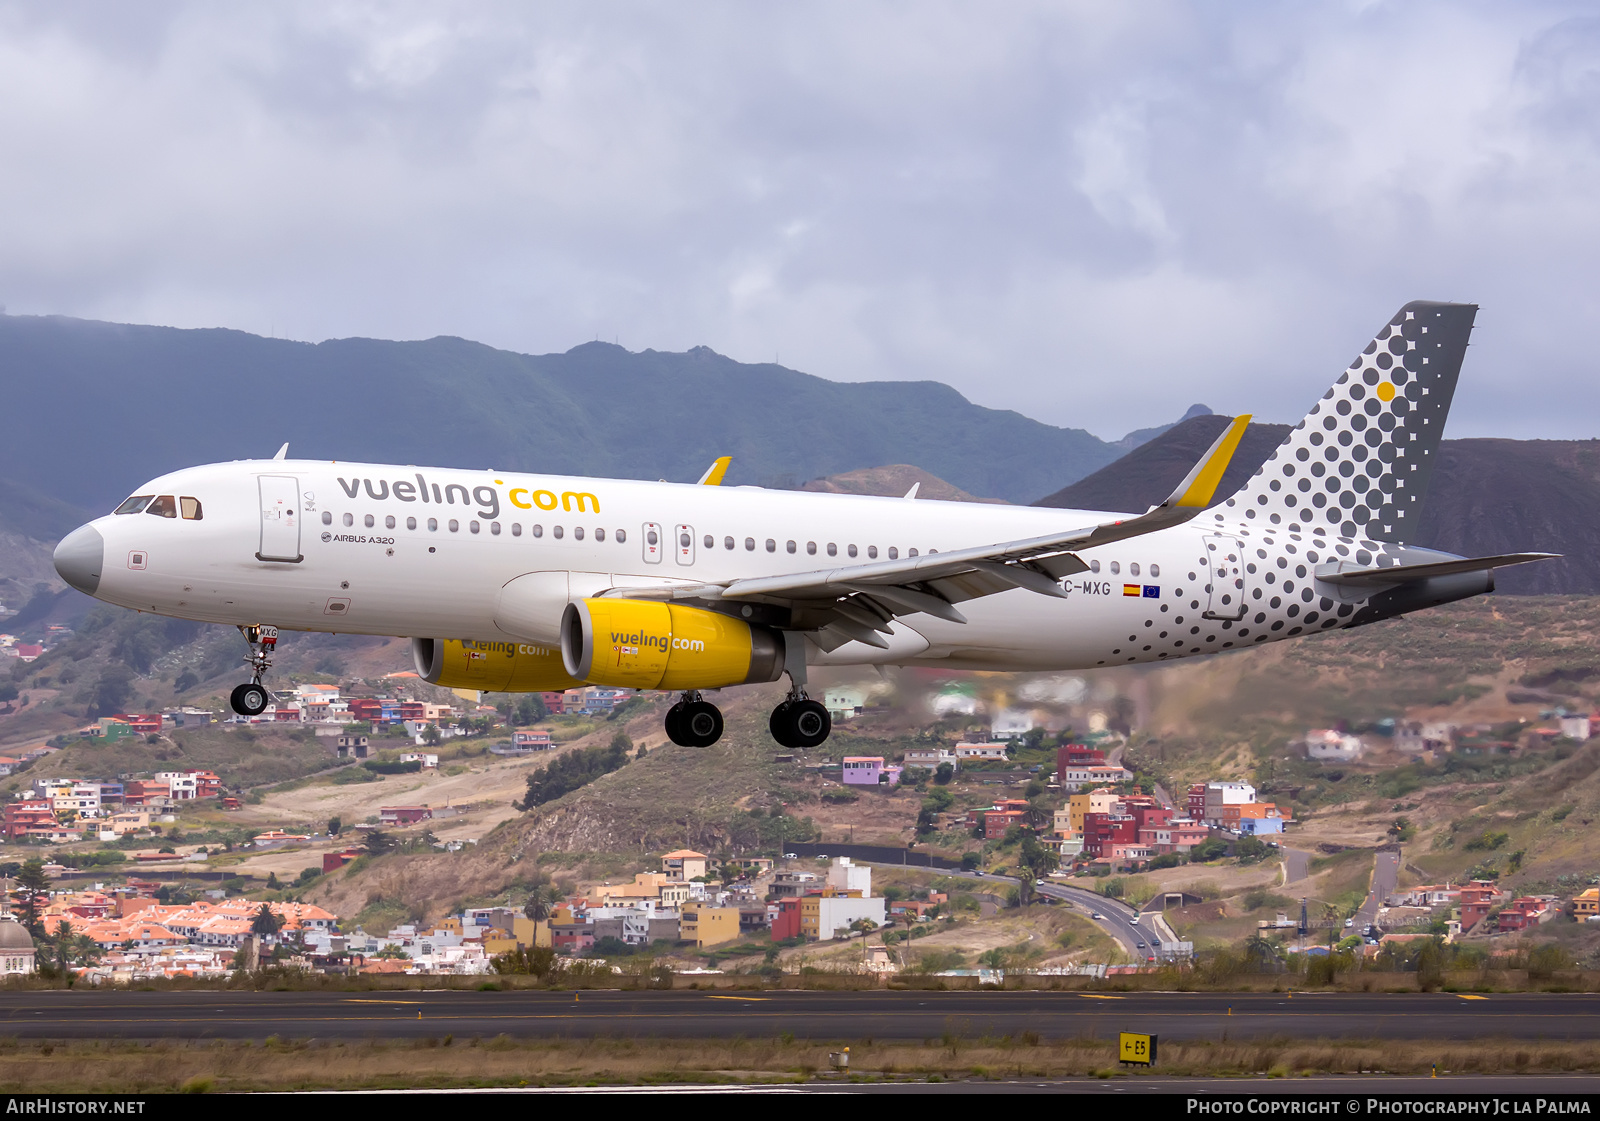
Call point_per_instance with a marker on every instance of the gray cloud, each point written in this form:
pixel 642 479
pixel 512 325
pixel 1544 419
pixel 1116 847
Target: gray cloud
pixel 1095 214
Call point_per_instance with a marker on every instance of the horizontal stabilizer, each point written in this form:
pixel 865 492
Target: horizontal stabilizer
pixel 1406 573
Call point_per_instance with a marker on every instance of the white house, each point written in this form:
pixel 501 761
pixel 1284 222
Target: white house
pixel 845 876
pixel 1011 724
pixel 980 751
pixel 844 702
pixel 1328 744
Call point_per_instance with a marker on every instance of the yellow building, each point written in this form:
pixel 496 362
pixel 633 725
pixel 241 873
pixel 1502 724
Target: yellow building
pixel 1586 904
pixel 709 926
pixel 530 933
pixel 646 885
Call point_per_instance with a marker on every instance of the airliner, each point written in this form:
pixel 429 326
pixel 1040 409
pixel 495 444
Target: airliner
pixel 519 582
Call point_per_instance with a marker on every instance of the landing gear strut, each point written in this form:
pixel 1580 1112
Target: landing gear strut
pixel 250 699
pixel 799 721
pixel 693 721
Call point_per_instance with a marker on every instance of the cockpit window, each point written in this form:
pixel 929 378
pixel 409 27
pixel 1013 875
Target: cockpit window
pixel 135 504
pixel 164 507
pixel 190 509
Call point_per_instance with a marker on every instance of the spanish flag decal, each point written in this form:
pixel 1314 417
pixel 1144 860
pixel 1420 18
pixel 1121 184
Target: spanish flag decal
pixel 1132 590
pixel 1142 591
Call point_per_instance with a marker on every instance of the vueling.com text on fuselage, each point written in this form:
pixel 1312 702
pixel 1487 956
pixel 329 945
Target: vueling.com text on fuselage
pixel 487 498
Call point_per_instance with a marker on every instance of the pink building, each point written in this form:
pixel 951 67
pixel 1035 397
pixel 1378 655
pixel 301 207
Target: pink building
pixel 869 770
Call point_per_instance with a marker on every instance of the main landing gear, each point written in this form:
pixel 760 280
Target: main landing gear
pixel 250 699
pixel 799 721
pixel 693 721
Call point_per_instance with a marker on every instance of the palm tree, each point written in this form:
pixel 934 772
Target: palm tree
pixel 541 900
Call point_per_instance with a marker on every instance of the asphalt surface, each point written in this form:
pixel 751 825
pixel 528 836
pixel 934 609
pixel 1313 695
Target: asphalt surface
pixel 1115 916
pixel 1385 874
pixel 1338 1088
pixel 879 1015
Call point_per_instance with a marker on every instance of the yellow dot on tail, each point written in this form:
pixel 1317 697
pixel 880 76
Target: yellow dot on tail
pixel 1385 391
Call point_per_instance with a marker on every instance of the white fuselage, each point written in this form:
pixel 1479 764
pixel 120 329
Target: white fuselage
pixel 425 552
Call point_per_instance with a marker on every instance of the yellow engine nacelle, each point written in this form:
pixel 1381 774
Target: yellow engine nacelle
pixel 490 667
pixel 640 644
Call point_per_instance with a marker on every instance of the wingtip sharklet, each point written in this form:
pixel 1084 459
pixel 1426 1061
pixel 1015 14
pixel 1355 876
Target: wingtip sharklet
pixel 1199 486
pixel 714 473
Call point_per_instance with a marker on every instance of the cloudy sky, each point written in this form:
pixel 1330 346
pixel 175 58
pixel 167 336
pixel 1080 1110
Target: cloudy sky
pixel 1092 213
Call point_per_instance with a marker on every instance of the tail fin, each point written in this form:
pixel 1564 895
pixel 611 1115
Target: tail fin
pixel 1358 465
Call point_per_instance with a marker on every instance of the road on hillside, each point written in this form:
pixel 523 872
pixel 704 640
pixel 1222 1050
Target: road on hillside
pixel 875 1014
pixel 1115 915
pixel 1296 865
pixel 1385 874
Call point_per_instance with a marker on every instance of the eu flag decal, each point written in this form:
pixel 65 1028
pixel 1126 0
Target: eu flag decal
pixel 1152 591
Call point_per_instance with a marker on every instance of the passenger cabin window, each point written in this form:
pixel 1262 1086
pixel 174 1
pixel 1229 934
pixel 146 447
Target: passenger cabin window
pixel 349 519
pixel 851 549
pixel 367 521
pixel 516 529
pixel 727 542
pixel 811 548
pixel 1155 570
pixel 190 509
pixel 577 533
pixel 622 537
pixel 455 526
pixel 388 522
pixel 894 554
pixel 872 551
pixel 164 507
pixel 1094 566
pixel 135 504
pixel 833 550
pixel 556 531
pixel 1133 569
pixel 327 517
pixel 599 535
pixel 749 544
pixel 411 523
pixel 433 525
pixel 1115 568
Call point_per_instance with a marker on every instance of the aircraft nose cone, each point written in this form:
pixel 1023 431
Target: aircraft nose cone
pixel 79 558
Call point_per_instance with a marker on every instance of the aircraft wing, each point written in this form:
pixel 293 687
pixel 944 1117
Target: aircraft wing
pixel 859 601
pixel 1406 573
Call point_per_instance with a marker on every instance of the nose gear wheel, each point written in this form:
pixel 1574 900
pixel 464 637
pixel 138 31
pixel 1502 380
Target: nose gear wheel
pixel 251 698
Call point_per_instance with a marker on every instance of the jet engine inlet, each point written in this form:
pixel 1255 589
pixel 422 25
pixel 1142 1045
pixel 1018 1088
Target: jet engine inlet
pixel 638 644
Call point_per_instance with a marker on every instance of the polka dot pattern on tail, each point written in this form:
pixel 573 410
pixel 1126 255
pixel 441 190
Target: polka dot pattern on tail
pixel 1360 462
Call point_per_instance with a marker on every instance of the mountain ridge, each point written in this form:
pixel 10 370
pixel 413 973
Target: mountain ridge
pixel 1488 496
pixel 152 399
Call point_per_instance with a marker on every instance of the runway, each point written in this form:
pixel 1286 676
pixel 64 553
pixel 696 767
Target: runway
pixel 879 1015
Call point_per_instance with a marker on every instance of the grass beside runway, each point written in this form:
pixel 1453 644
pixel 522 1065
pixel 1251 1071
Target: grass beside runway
pixel 500 1061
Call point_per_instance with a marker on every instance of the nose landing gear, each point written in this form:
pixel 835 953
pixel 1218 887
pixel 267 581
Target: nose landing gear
pixel 693 721
pixel 250 699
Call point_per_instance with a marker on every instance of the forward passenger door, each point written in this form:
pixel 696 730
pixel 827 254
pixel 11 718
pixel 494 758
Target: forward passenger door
pixel 280 518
